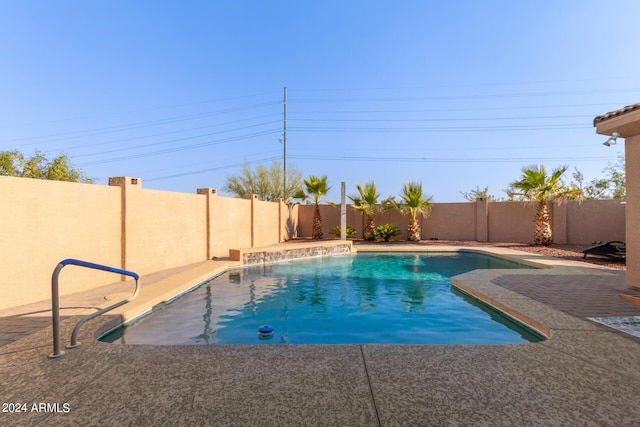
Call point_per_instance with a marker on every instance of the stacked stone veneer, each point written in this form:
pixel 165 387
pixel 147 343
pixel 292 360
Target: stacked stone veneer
pixel 273 255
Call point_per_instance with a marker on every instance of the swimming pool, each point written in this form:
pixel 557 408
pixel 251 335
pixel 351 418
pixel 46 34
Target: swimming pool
pixel 391 298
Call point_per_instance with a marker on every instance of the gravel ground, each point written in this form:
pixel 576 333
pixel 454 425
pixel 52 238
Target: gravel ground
pixel 570 252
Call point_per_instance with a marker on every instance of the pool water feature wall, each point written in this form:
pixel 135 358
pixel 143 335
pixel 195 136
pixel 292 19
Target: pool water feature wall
pixel 290 252
pixel 368 298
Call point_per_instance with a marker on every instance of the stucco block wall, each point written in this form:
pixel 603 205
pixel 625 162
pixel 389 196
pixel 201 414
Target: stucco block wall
pixel 511 222
pixel 395 217
pixel 164 229
pixel 42 223
pixel 330 218
pixel 595 220
pixel 572 222
pixel 230 225
pixel 305 219
pixel 288 221
pixel 451 221
pixel 266 217
pixel 121 225
pixel 356 220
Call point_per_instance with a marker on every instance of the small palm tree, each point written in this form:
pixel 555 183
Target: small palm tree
pixel 535 185
pixel 316 187
pixel 350 232
pixel 367 203
pixel 414 202
pixel 386 232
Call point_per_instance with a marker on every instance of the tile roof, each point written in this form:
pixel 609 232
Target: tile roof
pixel 616 113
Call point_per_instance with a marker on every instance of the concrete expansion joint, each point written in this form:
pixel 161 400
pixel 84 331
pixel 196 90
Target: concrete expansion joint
pixel 373 397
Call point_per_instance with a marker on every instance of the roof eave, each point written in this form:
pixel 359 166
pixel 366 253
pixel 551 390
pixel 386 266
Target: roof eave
pixel 626 122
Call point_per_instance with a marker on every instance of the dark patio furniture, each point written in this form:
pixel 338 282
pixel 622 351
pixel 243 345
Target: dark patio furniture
pixel 613 249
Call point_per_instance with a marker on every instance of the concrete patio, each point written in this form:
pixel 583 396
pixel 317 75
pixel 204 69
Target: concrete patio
pixel 584 374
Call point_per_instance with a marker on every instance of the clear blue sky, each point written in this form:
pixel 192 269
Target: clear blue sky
pixel 456 94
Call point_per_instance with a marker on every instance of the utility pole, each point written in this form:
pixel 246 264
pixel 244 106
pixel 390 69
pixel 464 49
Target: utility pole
pixel 284 143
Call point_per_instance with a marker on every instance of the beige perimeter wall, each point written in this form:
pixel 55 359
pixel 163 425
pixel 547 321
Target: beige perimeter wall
pixel 164 229
pixel 229 231
pixel 572 222
pixel 121 225
pixel 44 222
pixel 125 226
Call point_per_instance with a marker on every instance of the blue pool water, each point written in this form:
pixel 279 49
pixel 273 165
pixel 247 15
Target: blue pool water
pixel 393 298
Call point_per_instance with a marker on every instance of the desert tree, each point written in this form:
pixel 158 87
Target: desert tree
pixel 38 166
pixel 266 182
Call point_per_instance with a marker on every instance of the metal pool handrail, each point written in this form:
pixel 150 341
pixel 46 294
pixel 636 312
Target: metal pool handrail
pixel 55 303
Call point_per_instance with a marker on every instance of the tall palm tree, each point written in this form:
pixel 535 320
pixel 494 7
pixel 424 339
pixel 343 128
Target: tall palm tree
pixel 316 187
pixel 535 185
pixel 367 203
pixel 414 202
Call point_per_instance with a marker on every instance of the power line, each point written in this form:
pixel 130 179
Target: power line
pixel 395 147
pixel 143 110
pixel 201 171
pixel 617 78
pixel 429 110
pixel 153 144
pixel 175 149
pixel 387 159
pixel 441 129
pixel 445 120
pixel 465 97
pixel 198 163
pixel 131 126
pixel 166 133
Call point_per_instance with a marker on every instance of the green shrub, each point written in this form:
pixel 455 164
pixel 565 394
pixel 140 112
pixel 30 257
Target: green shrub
pixel 387 231
pixel 351 232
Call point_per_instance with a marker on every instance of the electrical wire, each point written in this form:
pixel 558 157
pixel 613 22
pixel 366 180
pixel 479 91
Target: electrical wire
pixel 131 126
pixel 387 159
pixel 441 120
pixel 466 97
pixel 429 110
pixel 153 144
pixel 176 149
pixel 440 129
pixel 201 171
pixel 163 133
pixel 143 110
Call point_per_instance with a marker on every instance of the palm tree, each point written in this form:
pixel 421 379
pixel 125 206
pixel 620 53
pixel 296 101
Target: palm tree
pixel 316 187
pixel 535 185
pixel 414 203
pixel 367 203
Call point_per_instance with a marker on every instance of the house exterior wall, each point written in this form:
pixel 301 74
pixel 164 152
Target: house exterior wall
pixel 627 125
pixel 632 158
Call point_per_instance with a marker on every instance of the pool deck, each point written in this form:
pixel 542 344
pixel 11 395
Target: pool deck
pixel 584 374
